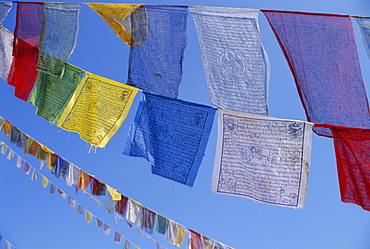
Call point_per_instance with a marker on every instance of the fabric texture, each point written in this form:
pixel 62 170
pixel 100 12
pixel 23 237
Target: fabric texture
pixel 23 73
pixel 156 65
pixel 234 60
pixel 148 219
pixel 133 211
pixel 352 146
pixel 363 23
pixel 5 7
pixel 172 135
pixel 262 158
pixel 127 21
pixel 83 180
pixel 97 109
pixel 318 48
pixel 58 37
pixel 51 94
pixel 195 240
pixel 121 205
pixel 175 233
pixel 6 50
pixel 162 224
pixel 97 187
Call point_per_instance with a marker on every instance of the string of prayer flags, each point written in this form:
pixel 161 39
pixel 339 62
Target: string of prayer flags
pixel 156 65
pixel 5 7
pixel 363 23
pixel 58 37
pixel 6 49
pixel 7 244
pixel 234 60
pixel 172 135
pixel 23 73
pixel 352 146
pixel 262 158
pixel 318 48
pixel 97 109
pixel 51 94
pixel 127 21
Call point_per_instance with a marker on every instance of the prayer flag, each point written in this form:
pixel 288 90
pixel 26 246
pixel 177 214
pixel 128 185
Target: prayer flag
pixel 51 95
pixel 44 182
pixel 121 205
pixel 6 49
pixel 6 128
pixel 162 224
pixel 195 240
pixel 88 216
pixel 10 155
pixel 175 233
pixel 147 220
pixel 156 65
pixel 98 223
pixel 128 23
pixel 133 211
pixel 352 151
pixel 83 180
pixel 322 55
pixel 114 193
pixel 52 188
pixel 97 109
pixel 262 158
pixel 5 7
pixel 117 238
pixel 234 60
pixel 34 174
pixel 79 209
pixel 23 73
pixel 58 37
pixel 19 162
pixel 4 148
pixel 363 23
pixel 73 175
pixel 97 187
pixel 110 204
pixel 27 168
pixel 172 135
pixel 106 229
pixel 71 202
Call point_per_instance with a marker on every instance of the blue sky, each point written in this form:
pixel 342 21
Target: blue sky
pixel 31 217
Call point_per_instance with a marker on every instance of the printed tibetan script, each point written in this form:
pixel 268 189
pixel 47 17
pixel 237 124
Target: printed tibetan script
pixel 97 109
pixel 262 158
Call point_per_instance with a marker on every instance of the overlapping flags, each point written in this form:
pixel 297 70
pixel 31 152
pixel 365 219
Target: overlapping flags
pixel 136 214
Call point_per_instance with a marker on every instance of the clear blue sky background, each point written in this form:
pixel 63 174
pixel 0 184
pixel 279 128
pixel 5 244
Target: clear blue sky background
pixel 30 217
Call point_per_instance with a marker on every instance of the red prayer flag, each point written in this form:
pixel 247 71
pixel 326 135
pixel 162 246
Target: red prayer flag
pixel 27 32
pixel 352 150
pixel 322 55
pixel 121 205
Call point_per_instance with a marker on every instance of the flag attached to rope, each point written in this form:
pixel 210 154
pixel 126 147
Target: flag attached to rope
pixel 322 55
pixel 156 65
pixel 172 135
pixel 234 61
pixel 97 109
pixel 58 38
pixel 262 158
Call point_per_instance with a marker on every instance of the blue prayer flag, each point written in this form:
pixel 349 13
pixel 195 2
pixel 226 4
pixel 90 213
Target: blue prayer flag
pixel 172 135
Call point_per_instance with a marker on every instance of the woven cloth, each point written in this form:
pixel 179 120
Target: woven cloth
pixel 363 23
pixel 58 38
pixel 262 158
pixel 322 55
pixel 234 61
pixel 97 109
pixel 6 48
pixel 23 74
pixel 172 135
pixel 127 21
pixel 156 65
pixel 352 151
pixel 51 95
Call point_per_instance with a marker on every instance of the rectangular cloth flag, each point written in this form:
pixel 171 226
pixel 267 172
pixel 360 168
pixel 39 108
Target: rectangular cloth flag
pixel 352 151
pixel 234 60
pixel 172 135
pixel 322 55
pixel 58 37
pixel 51 94
pixel 127 21
pixel 27 32
pixel 262 158
pixel 363 23
pixel 97 109
pixel 156 65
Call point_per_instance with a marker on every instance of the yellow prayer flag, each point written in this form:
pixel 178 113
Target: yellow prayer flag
pixel 6 128
pixel 98 202
pixel 116 196
pixel 180 237
pixel 88 217
pixel 44 181
pixel 97 109
pixel 116 15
